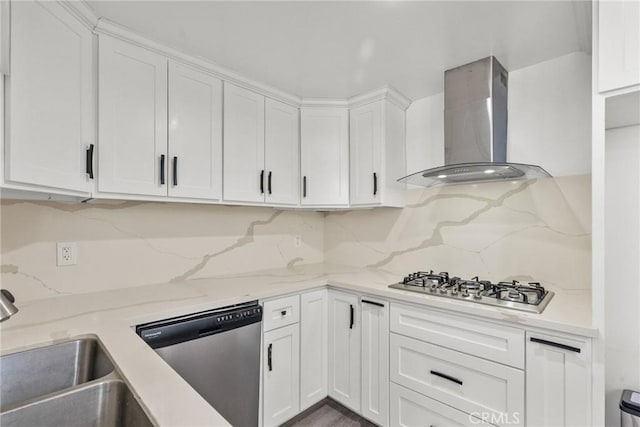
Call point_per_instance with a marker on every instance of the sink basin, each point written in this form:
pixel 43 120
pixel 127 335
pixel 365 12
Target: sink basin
pixel 74 383
pixel 45 370
pixel 107 403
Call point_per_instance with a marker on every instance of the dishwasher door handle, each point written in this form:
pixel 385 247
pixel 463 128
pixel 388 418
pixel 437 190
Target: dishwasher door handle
pixel 269 352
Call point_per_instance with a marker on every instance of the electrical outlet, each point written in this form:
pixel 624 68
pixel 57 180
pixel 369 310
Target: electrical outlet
pixel 297 241
pixel 67 253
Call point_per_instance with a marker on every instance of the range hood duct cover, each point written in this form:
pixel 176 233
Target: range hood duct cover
pixel 475 129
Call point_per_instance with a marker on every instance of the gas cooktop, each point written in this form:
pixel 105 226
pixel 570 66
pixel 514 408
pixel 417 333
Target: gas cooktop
pixel 531 296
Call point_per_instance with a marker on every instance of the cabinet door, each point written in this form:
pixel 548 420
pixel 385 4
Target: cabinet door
pixel 366 146
pixel 281 153
pixel 324 156
pixel 50 118
pixel 313 348
pixel 374 316
pixel 132 154
pixel 558 381
pixel 281 370
pixel 619 44
pixel 243 145
pixel 195 133
pixel 344 349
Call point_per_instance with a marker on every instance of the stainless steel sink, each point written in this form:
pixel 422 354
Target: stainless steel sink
pixel 69 384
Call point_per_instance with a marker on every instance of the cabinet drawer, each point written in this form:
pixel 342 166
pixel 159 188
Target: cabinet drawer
pixel 412 409
pixel 281 312
pixel 468 383
pixel 498 343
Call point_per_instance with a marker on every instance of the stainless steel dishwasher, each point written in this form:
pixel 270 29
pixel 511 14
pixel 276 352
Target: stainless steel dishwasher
pixel 218 353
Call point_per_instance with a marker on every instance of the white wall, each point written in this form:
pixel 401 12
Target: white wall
pixel 549 119
pixel 622 265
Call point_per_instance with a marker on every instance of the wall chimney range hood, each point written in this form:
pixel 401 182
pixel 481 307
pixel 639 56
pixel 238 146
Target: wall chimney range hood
pixel 475 129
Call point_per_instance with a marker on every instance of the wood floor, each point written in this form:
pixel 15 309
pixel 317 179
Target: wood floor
pixel 328 413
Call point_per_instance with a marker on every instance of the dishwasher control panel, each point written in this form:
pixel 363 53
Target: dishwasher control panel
pixel 178 329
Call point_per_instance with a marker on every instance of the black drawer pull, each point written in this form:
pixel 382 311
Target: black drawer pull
pixel 304 186
pixel 446 377
pixel 162 169
pixel 269 182
pixel 262 181
pixel 283 312
pixel 375 184
pixel 89 167
pixel 555 344
pixel 175 171
pixel 269 351
pixel 366 301
pixel 351 316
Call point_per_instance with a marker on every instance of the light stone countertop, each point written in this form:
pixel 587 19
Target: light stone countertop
pixel 170 400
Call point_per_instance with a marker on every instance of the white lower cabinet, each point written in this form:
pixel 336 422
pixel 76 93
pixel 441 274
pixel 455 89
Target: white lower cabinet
pixel 411 409
pixel 344 349
pixel 468 383
pixel 374 319
pixel 313 347
pixel 281 375
pixel 558 381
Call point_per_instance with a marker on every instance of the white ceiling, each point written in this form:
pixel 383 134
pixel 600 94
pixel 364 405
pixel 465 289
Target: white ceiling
pixel 341 49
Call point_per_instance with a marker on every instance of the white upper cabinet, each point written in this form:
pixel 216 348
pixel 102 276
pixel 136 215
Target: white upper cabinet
pixel 558 381
pixel 281 153
pixel 50 103
pixel 195 134
pixel 244 174
pixel 324 156
pixel 618 44
pixel 132 150
pixel 377 160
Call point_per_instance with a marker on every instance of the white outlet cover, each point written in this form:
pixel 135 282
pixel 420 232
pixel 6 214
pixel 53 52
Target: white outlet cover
pixel 67 253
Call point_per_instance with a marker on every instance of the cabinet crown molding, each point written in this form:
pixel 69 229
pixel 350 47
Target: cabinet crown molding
pixel 101 25
pixel 110 28
pixel 384 93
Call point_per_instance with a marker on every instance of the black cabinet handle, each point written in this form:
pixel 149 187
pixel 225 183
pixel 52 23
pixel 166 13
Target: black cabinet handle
pixel 366 301
pixel 375 184
pixel 555 344
pixel 446 377
pixel 269 351
pixel 262 181
pixel 283 312
pixel 351 316
pixel 162 169
pixel 304 186
pixel 269 182
pixel 175 171
pixel 89 167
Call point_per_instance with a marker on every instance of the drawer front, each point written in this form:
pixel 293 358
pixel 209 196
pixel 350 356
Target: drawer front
pixel 281 312
pixel 470 384
pixel 494 342
pixel 411 409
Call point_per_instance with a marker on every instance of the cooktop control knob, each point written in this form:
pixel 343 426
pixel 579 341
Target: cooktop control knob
pixel 478 294
pixel 465 293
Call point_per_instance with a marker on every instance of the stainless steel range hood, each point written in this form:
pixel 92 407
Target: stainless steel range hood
pixel 475 129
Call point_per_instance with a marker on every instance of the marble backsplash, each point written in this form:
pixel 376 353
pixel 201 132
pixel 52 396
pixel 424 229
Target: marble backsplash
pixel 524 230
pixel 126 244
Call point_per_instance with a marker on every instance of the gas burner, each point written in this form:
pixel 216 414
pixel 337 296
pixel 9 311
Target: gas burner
pixel 530 297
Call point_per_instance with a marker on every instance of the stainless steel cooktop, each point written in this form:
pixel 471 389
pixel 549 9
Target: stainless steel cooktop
pixel 530 296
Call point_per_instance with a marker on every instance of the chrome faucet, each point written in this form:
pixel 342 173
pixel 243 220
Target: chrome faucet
pixel 7 309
